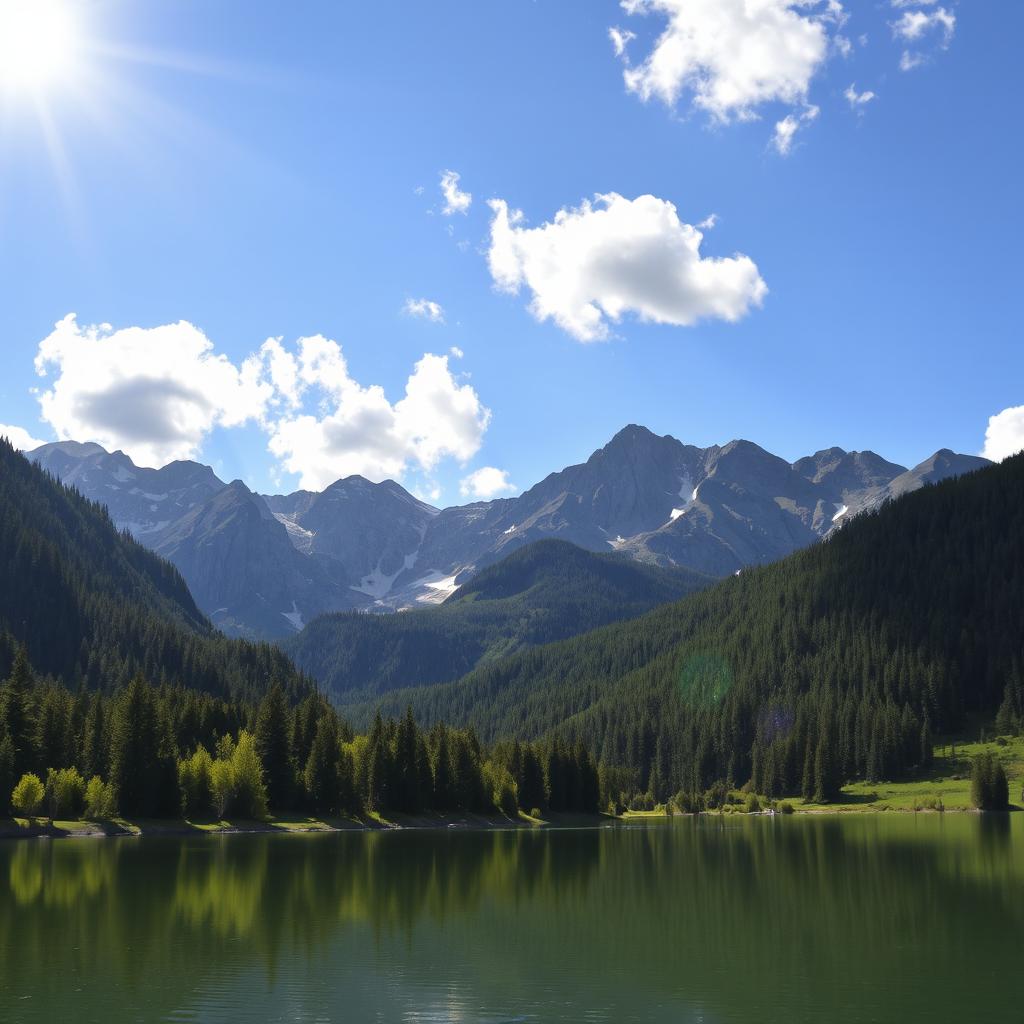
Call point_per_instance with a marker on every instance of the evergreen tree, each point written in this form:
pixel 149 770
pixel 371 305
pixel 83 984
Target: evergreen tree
pixel 272 734
pixel 17 704
pixel 139 754
pixel 321 776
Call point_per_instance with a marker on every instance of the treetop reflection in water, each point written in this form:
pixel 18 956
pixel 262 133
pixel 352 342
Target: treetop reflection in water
pixel 899 918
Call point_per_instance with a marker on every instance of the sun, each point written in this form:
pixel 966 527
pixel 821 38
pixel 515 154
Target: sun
pixel 37 44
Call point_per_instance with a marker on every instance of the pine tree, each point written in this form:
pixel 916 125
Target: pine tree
pixel 139 754
pixel 441 768
pixel 17 704
pixel 826 777
pixel 272 734
pixel 321 775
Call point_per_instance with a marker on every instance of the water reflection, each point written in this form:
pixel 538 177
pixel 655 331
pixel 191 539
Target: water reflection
pixel 726 919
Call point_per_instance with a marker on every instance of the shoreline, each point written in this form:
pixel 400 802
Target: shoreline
pixel 44 828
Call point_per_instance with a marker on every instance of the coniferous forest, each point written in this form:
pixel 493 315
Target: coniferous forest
pixel 120 698
pixel 841 662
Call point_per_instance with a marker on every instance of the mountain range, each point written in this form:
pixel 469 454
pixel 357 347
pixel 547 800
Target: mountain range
pixel 262 566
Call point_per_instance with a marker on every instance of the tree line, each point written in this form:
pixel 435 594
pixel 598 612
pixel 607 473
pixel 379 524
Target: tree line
pixel 164 751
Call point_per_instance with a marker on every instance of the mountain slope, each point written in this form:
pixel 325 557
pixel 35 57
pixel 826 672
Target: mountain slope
pixel 93 606
pixel 543 592
pixel 242 567
pixel 900 624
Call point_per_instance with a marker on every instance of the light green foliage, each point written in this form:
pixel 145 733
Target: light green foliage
pixel 195 781
pixel 100 799
pixel 250 793
pixel 65 793
pixel 222 786
pixel 28 794
pixel 752 805
pixel 501 787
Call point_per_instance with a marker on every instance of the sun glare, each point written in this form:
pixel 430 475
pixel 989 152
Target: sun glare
pixel 36 43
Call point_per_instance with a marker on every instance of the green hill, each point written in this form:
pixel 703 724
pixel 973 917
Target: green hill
pixel 545 591
pixel 839 662
pixel 93 607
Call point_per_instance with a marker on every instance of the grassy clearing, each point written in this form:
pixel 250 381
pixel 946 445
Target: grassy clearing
pixel 946 786
pixel 947 782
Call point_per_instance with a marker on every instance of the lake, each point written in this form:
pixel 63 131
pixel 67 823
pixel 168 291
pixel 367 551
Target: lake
pixel 897 918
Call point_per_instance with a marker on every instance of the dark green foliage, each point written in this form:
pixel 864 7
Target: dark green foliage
pixel 907 617
pixel 94 608
pixel 322 773
pixel 272 733
pixel 990 790
pixel 18 710
pixel 545 591
pixel 143 764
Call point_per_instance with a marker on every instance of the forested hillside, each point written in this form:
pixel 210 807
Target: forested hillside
pixel 545 591
pixel 93 607
pixel 840 662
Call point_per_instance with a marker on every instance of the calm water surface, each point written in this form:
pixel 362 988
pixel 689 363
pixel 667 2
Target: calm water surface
pixel 897 918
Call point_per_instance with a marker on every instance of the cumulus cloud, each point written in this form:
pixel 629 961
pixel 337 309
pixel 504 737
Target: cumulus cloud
pixel 455 200
pixel 486 483
pixel 786 129
pixel 732 56
pixel 356 429
pixel 22 440
pixel 1005 434
pixel 592 264
pixel 154 392
pixel 424 308
pixel 858 100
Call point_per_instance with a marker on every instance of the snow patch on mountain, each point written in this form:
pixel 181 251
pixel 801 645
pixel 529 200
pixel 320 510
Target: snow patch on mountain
pixel 294 617
pixel 436 587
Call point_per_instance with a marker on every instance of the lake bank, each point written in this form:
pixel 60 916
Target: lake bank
pixel 44 828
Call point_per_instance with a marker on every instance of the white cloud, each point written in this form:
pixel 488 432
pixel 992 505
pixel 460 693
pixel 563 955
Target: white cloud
pixel 456 352
pixel 733 56
pixel 424 308
pixel 858 100
pixel 708 222
pixel 486 483
pixel 455 200
pixel 22 440
pixel 915 24
pixel 592 264
pixel 1005 434
pixel 154 392
pixel 621 38
pixel 356 429
pixel 786 129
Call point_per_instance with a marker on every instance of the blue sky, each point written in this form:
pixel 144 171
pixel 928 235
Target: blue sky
pixel 259 174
